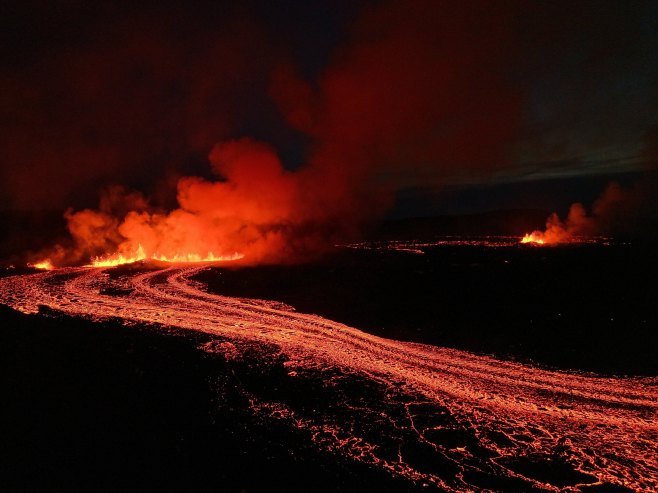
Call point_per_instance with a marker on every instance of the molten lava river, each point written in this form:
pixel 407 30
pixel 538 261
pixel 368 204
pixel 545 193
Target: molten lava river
pixel 441 418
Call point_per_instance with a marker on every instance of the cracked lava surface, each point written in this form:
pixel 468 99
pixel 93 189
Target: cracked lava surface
pixel 440 417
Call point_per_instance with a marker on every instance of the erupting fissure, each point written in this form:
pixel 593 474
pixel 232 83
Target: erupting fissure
pixel 42 265
pixel 536 237
pixel 140 254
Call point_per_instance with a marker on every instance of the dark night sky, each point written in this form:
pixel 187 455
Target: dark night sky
pixel 476 107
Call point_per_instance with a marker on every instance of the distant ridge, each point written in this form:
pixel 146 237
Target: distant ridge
pixel 509 222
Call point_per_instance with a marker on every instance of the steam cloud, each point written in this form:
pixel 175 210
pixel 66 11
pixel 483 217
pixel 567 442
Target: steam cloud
pixel 622 211
pixel 619 211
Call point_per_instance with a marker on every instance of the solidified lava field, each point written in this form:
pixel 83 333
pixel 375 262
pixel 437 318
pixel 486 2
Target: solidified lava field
pixel 471 374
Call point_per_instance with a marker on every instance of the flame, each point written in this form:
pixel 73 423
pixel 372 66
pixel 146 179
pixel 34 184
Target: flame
pixel 43 265
pixel 140 254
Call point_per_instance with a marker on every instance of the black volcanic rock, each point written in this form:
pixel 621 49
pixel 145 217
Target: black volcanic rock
pixel 585 307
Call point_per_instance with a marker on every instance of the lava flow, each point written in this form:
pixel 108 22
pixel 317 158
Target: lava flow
pixel 604 429
pixel 418 246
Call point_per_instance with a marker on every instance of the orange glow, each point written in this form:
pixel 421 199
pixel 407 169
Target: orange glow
pixel 140 254
pixel 43 265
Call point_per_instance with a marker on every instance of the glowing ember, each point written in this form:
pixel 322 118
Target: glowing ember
pixel 140 254
pixel 606 427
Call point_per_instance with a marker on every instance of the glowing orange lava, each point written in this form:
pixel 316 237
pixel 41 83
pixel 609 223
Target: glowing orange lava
pixel 605 426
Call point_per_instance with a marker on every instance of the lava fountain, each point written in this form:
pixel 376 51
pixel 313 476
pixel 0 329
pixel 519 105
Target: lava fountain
pixel 606 429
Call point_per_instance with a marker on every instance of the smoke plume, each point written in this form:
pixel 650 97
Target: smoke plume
pixel 627 212
pixel 415 95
